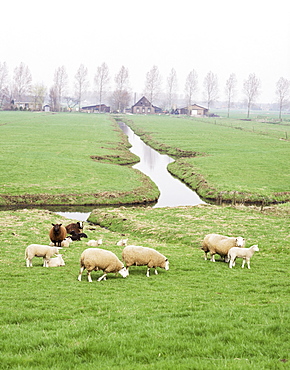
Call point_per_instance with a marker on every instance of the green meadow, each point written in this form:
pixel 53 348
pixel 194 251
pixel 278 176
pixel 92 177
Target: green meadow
pixel 197 315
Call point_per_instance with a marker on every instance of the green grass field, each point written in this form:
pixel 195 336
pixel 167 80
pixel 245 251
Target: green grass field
pixel 231 156
pixel 197 315
pixel 67 159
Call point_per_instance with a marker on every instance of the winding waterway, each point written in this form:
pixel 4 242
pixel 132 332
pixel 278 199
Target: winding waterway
pixel 173 192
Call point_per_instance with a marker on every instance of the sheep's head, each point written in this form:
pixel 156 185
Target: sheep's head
pixel 122 242
pixel 166 266
pixel 56 228
pixel 240 242
pixel 255 247
pixel 124 272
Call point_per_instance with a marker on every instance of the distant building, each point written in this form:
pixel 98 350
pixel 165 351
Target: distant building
pixel 194 110
pixel 143 106
pixel 97 108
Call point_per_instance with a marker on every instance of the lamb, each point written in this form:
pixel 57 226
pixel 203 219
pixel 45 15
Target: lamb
pixel 94 243
pixel 37 250
pixel 144 256
pixel 220 244
pixel 122 243
pixel 76 227
pixel 56 261
pixel 77 236
pixel 65 243
pixel 244 253
pixel 100 259
pixel 57 234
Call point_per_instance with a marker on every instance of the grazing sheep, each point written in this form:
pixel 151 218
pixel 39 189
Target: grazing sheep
pixel 94 243
pixel 57 234
pixel 56 261
pixel 76 227
pixel 77 236
pixel 122 243
pixel 220 244
pixel 144 256
pixel 37 250
pixel 100 259
pixel 244 253
pixel 65 243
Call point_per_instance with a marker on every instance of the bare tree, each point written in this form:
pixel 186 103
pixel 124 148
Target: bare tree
pixel 282 92
pixel 3 82
pixel 81 84
pixel 251 90
pixel 171 88
pixel 60 84
pixel 230 90
pixel 102 79
pixel 153 84
pixel 121 93
pixel 53 98
pixel 210 84
pixel 191 86
pixel 38 92
pixel 22 81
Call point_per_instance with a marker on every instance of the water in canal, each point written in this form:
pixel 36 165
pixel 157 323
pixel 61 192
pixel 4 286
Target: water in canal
pixel 173 192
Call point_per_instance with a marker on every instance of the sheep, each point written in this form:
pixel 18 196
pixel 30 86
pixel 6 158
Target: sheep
pixel 244 253
pixel 76 227
pixel 144 256
pixel 37 250
pixel 57 234
pixel 65 243
pixel 56 261
pixel 77 236
pixel 220 244
pixel 100 259
pixel 122 243
pixel 94 243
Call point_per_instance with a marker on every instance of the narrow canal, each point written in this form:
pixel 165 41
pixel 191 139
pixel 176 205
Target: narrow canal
pixel 173 192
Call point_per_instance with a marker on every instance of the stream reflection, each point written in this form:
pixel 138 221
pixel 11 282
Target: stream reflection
pixel 173 192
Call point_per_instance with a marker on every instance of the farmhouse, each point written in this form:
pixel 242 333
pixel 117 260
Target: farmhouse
pixel 97 108
pixel 194 110
pixel 143 106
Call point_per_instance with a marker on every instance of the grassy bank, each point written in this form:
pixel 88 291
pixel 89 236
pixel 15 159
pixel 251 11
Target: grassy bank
pixel 197 315
pixel 224 159
pixel 67 159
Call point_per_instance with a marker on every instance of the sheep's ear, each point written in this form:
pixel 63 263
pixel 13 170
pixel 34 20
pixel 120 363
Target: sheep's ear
pixel 60 224
pixel 166 259
pixel 53 224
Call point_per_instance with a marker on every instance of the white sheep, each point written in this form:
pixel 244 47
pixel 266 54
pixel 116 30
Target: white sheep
pixel 144 256
pixel 56 261
pixel 65 243
pixel 244 253
pixel 100 259
pixel 122 243
pixel 37 250
pixel 220 244
pixel 94 243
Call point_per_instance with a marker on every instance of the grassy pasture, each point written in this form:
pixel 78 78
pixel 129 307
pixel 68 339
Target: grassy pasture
pixel 67 159
pixel 223 156
pixel 197 315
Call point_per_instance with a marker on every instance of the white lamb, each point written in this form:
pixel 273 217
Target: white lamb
pixel 56 261
pixel 65 243
pixel 122 243
pixel 144 256
pixel 220 244
pixel 100 259
pixel 37 250
pixel 244 253
pixel 94 243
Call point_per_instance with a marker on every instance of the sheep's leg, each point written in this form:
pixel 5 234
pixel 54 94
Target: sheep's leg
pixel 103 277
pixel 89 277
pixel 148 272
pixel 28 262
pixel 45 262
pixel 80 273
pixel 156 272
pixel 231 264
pixel 248 262
pixel 212 258
pixel 243 264
pixel 205 256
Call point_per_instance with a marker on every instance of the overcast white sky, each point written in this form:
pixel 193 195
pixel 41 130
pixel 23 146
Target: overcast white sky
pixel 224 37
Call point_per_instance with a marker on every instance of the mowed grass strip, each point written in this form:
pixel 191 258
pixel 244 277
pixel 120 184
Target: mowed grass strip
pixel 68 159
pixel 198 314
pixel 228 159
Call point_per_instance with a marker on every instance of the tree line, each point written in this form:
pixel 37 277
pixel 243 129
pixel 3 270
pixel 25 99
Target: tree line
pixel 19 86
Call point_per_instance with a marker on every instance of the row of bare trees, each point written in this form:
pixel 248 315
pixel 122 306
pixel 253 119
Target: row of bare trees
pixel 120 97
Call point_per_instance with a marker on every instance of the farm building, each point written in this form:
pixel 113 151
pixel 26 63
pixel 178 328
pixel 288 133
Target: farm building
pixel 143 106
pixel 97 108
pixel 194 110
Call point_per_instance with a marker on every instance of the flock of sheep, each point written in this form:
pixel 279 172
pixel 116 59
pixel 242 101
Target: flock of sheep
pixel 95 258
